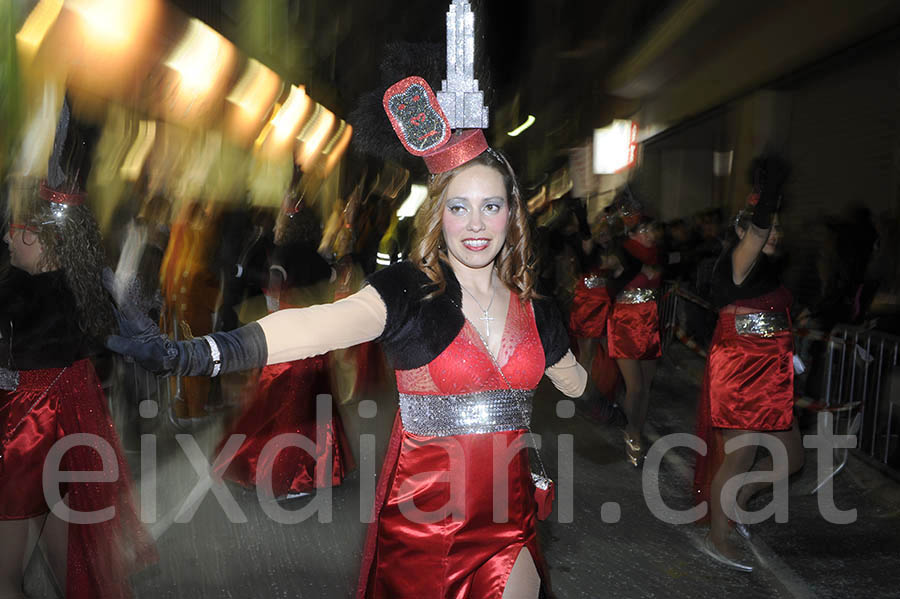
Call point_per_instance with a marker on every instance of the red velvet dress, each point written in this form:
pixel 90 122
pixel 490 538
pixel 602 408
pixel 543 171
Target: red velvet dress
pixel 435 534
pixel 49 405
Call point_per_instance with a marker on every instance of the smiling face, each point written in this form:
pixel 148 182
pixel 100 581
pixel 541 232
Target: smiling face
pixel 475 216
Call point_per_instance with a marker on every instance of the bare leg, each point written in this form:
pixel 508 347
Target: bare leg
pixel 15 552
pixel 734 463
pixel 55 543
pixel 524 581
pixel 648 370
pixel 794 445
pixel 634 383
pixel 586 349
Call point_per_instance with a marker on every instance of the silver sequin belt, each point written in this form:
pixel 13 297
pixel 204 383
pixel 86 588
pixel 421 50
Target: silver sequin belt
pixel 761 324
pixel 594 281
pixel 466 413
pixel 642 295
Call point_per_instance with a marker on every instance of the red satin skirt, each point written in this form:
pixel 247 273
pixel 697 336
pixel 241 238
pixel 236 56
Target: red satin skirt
pixel 633 331
pixel 49 405
pixel 748 385
pixel 590 310
pixel 284 401
pixel 451 547
pixel 751 379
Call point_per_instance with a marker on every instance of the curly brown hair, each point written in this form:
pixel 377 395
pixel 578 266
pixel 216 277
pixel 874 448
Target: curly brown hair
pixel 72 243
pixel 516 261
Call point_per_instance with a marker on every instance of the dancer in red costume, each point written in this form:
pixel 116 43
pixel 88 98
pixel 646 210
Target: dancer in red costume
pixel 284 397
pixel 469 341
pixel 359 370
pixel 748 387
pixel 54 312
pixel 588 317
pixel 456 504
pixel 633 333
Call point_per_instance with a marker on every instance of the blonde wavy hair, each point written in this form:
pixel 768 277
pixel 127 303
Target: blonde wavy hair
pixel 515 263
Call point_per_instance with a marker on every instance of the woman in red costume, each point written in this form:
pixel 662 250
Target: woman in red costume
pixel 54 313
pixel 284 398
pixel 748 388
pixel 633 333
pixel 590 311
pixel 469 340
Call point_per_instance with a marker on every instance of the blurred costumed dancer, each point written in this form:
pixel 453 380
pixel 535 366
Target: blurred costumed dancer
pixel 358 370
pixel 749 383
pixel 469 340
pixel 633 326
pixel 54 313
pixel 285 396
pixel 190 291
pixel 590 311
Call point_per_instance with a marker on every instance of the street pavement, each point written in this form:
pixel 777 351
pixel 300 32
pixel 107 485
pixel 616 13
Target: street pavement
pixel 609 544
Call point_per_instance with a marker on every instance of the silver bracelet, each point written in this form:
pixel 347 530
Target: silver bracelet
pixel 215 354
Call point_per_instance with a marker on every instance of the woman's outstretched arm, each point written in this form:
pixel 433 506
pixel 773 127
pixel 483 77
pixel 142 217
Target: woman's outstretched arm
pixel 298 333
pixel 280 337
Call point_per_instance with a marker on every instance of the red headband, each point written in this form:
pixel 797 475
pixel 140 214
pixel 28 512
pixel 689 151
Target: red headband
pixel 59 197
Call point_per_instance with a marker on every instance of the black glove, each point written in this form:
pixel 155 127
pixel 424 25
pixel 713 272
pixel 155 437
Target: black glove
pixel 768 175
pixel 140 338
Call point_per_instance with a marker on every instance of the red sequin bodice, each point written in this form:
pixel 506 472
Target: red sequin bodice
pixel 466 367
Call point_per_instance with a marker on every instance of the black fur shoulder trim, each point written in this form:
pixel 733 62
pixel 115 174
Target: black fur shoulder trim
pixel 551 329
pixel 417 329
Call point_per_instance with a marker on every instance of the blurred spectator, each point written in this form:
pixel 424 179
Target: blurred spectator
pixel 848 248
pixel 884 310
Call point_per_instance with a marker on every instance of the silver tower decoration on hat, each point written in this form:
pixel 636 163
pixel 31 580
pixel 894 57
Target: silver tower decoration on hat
pixel 460 98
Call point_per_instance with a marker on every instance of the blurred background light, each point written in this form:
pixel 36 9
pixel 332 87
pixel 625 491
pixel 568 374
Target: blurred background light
pixel 410 205
pixel 615 147
pixel 251 100
pixel 722 162
pixel 287 121
pixel 34 30
pixel 140 150
pixel 336 148
pixel 199 58
pixel 313 137
pixel 109 22
pixel 528 123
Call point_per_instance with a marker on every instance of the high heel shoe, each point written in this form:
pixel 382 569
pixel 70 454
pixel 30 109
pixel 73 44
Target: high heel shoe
pixel 709 549
pixel 743 530
pixel 633 450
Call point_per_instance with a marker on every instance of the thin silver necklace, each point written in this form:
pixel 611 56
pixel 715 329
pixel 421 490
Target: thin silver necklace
pixel 484 311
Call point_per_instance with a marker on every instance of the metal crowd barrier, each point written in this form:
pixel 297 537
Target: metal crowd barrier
pixel 668 313
pixel 862 388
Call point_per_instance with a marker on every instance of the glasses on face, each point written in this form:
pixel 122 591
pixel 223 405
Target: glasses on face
pixel 29 232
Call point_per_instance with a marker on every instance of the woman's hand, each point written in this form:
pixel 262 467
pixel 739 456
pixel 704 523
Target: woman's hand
pixel 142 340
pixel 139 337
